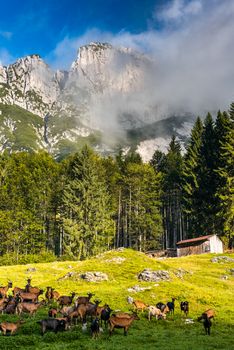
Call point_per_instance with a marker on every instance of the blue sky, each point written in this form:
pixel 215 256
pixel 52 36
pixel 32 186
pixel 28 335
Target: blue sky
pixel 37 26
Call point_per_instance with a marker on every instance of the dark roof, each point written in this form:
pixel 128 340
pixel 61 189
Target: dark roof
pixel 197 239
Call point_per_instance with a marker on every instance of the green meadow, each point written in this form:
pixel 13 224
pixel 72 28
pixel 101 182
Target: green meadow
pixel 203 283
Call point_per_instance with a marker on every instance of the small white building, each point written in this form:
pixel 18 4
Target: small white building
pixel 200 245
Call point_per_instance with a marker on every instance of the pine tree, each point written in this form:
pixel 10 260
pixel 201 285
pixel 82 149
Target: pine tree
pixel 205 201
pixel 225 172
pixel 190 178
pixel 88 227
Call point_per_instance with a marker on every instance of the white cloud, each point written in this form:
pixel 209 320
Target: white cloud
pixel 178 9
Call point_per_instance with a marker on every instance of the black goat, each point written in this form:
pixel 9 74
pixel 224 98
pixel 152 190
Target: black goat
pixel 184 306
pixel 207 324
pixel 95 328
pixel 171 305
pixel 105 315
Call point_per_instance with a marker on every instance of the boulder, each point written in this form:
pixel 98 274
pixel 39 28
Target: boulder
pixel 154 276
pixel 222 259
pixel 137 288
pixel 94 276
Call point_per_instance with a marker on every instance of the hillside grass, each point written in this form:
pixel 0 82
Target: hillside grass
pixel 202 286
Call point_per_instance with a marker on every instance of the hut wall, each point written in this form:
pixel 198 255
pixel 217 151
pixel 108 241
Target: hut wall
pixel 216 245
pixel 195 248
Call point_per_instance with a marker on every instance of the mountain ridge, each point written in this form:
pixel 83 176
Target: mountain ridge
pixel 101 94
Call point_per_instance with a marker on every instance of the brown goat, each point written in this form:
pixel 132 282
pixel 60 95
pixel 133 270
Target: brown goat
pixel 10 326
pixel 121 314
pixel 52 312
pixel 119 322
pixel 17 290
pixel 139 305
pixel 66 300
pixel 84 300
pixel 32 297
pixel 4 290
pixel 54 294
pixel 30 308
pixel 210 313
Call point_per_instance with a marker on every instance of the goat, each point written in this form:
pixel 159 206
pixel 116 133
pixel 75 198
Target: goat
pixel 139 305
pixel 171 305
pixel 18 290
pixel 163 307
pixel 28 285
pixel 32 297
pixel 184 306
pixel 11 305
pixel 66 310
pixel 105 315
pixel 52 312
pixel 154 311
pixel 118 322
pixel 4 290
pixel 10 326
pixel 84 300
pixel 54 324
pixel 30 308
pixel 95 328
pixel 206 323
pixel 48 294
pixel 54 294
pixel 35 290
pixel 66 300
pixel 210 313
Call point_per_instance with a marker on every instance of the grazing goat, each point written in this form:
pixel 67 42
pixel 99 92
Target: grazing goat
pixel 53 324
pixel 95 328
pixel 154 311
pixel 139 305
pixel 4 290
pixel 207 323
pixel 210 313
pixel 10 326
pixel 184 306
pixel 163 307
pixel 66 300
pixel 171 305
pixel 119 322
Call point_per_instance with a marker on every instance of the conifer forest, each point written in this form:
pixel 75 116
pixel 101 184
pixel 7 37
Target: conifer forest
pixel 86 204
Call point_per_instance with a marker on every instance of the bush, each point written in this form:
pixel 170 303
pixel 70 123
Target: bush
pixel 22 259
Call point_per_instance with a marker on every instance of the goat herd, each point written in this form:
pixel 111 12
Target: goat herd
pixel 69 310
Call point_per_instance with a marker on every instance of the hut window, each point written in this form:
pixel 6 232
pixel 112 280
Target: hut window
pixel 207 247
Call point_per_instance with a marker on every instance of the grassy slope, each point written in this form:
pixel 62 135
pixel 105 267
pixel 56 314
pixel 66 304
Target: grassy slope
pixel 202 287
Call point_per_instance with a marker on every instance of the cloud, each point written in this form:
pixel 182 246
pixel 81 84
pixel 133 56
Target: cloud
pixel 178 9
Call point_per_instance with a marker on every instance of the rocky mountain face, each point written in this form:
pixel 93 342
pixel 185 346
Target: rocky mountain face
pixel 94 102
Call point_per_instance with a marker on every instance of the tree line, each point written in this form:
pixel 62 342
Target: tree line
pixel 87 203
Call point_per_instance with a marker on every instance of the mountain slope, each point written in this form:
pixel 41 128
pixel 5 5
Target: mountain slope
pixel 192 278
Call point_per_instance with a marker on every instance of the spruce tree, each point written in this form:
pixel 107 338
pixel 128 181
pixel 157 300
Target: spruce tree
pixel 190 178
pixel 87 223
